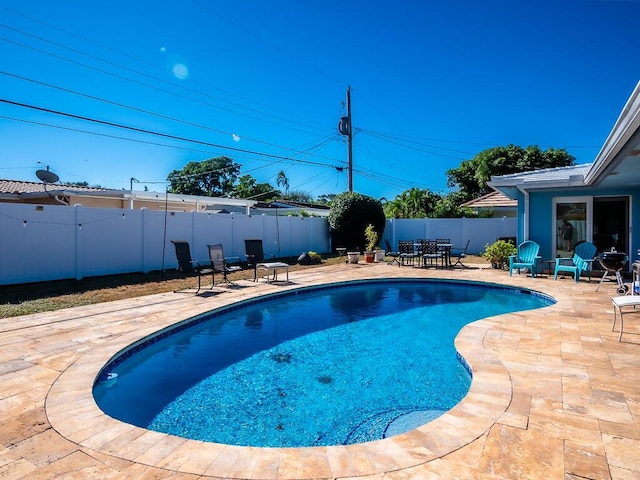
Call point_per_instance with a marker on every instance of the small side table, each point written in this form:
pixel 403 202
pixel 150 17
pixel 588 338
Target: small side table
pixel 273 266
pixel 548 266
pixel 342 251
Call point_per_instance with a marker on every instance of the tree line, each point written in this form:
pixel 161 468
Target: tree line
pixel 221 177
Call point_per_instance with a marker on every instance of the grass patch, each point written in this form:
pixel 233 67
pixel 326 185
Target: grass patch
pixel 31 298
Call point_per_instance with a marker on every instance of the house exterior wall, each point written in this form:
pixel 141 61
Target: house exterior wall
pixel 541 229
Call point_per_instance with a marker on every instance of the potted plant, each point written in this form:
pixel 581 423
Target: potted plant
pixel 498 253
pixel 372 240
pixel 353 256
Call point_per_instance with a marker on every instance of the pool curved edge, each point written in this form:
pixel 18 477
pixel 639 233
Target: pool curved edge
pixel 72 412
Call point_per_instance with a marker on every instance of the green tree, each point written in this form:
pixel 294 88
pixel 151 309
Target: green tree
pixel 80 184
pixel 283 181
pixel 299 196
pixel 412 203
pixel 349 215
pixel 326 198
pixel 248 187
pixel 449 207
pixel 471 177
pixel 214 177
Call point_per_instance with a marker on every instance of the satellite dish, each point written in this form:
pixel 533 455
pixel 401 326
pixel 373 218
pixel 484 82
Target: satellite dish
pixel 46 176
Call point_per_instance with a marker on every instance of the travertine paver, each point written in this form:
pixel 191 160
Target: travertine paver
pixel 554 395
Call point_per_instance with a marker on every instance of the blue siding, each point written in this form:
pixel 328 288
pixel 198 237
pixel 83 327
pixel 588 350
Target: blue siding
pixel 541 213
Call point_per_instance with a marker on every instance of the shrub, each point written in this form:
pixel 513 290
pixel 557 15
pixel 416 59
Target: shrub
pixel 349 216
pixel 372 238
pixel 498 253
pixel 316 258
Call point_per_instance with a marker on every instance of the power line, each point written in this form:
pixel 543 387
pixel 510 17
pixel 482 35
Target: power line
pixel 416 138
pixel 397 142
pixel 136 109
pixel 275 47
pixel 159 134
pixel 146 85
pixel 149 64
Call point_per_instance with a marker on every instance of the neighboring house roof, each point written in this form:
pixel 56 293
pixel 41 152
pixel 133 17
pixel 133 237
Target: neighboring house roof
pixel 16 191
pixel 17 187
pixel 617 163
pixel 291 203
pixel 291 206
pixel 491 200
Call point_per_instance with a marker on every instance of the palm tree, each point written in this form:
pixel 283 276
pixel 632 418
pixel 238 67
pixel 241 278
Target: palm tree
pixel 283 182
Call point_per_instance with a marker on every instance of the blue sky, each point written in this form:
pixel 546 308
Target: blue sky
pixel 432 84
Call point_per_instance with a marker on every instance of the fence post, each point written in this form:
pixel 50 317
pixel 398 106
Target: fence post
pixel 78 238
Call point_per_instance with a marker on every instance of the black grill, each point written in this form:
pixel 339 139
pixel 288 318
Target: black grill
pixel 613 262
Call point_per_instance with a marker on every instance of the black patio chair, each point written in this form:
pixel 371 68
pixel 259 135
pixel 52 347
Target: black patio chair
pixel 407 252
pixel 219 263
pixel 187 265
pixel 458 254
pixel 255 258
pixel 255 255
pixel 390 253
pixel 431 253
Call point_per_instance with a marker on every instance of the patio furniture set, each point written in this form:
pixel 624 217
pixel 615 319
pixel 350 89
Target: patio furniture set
pixel 585 253
pixel 428 253
pixel 217 263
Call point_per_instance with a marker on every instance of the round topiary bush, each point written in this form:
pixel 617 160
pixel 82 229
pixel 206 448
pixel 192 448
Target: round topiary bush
pixel 349 216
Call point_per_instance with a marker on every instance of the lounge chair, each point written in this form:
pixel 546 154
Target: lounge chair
pixel 526 257
pixel 187 265
pixel 583 255
pixel 458 254
pixel 255 258
pixel 219 263
pixel 391 253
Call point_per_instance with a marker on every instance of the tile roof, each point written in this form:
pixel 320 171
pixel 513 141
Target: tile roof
pixel 17 187
pixel 492 200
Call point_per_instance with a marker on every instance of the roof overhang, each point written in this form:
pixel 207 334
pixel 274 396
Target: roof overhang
pixel 620 153
pixel 616 165
pixel 561 177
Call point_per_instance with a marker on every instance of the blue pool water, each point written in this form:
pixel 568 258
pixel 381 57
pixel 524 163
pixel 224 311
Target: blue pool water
pixel 325 366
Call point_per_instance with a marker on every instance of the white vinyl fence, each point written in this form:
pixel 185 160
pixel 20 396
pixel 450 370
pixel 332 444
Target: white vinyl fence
pixel 50 242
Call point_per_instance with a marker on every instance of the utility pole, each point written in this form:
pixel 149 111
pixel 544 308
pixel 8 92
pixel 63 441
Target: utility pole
pixel 350 139
pixel 345 129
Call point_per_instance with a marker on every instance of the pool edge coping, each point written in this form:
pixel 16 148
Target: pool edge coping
pixel 73 412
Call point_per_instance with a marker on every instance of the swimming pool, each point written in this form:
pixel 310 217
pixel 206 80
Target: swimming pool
pixel 357 363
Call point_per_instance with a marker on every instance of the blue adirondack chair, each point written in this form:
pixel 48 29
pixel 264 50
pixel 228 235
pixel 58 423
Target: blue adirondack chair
pixel 583 255
pixel 527 257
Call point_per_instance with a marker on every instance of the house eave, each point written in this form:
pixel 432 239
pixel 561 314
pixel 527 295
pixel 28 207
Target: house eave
pixel 626 125
pixel 509 188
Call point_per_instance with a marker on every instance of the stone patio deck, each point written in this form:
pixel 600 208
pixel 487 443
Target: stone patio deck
pixel 554 395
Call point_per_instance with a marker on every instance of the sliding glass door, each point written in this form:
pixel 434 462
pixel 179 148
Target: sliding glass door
pixel 601 220
pixel 571 223
pixel 611 224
